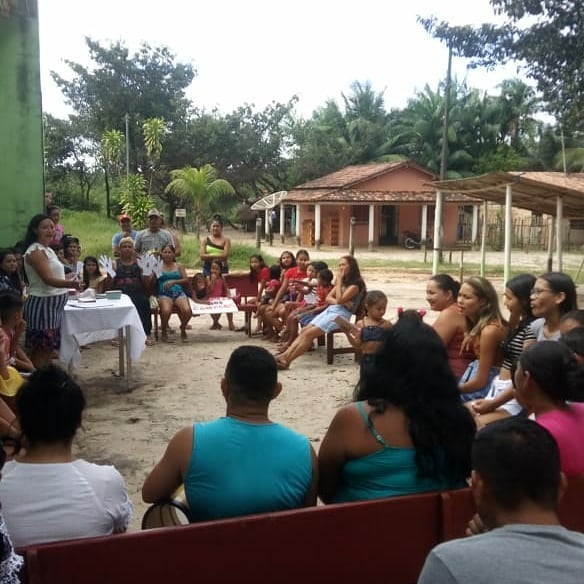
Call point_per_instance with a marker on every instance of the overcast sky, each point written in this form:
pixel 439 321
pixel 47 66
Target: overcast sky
pixel 258 51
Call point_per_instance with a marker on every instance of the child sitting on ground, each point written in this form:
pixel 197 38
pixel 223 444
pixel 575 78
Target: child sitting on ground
pixel 367 334
pixel 217 288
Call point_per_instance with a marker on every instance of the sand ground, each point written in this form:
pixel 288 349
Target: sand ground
pixel 177 384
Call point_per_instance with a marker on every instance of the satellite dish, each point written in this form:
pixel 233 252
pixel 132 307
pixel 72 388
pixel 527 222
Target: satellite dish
pixel 269 201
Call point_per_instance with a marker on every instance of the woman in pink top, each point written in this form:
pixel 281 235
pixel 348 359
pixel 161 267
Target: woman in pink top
pixel 441 294
pixel 549 382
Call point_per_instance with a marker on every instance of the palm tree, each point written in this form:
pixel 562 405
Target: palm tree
pixel 519 104
pixel 198 186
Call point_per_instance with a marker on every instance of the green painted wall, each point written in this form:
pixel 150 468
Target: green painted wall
pixel 21 152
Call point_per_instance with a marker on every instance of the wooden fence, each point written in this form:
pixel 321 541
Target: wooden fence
pixel 525 235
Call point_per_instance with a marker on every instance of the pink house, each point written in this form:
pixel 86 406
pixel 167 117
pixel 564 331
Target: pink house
pixel 386 200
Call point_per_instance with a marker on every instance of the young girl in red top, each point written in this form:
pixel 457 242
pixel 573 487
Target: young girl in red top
pixel 217 288
pixel 303 315
pixel 275 315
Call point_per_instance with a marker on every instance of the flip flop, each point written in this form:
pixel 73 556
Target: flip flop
pixel 281 365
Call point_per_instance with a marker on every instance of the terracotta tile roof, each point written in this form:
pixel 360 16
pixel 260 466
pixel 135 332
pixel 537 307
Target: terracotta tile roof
pixel 573 181
pixel 367 197
pixel 351 175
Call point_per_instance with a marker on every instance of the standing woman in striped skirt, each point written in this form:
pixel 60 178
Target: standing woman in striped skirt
pixel 47 291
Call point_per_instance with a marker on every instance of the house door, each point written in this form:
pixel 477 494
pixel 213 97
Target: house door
pixel 388 223
pixel 307 236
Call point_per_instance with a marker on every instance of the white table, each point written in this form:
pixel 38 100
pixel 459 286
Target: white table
pixel 85 323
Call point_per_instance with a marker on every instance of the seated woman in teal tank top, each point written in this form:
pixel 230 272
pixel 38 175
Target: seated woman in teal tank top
pixel 241 463
pixel 407 432
pixel 171 287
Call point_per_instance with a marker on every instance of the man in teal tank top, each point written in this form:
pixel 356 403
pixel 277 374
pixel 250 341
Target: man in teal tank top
pixel 241 463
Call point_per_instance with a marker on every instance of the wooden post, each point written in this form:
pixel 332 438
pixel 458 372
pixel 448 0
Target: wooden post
pixel 258 233
pixel 550 256
pixel 352 236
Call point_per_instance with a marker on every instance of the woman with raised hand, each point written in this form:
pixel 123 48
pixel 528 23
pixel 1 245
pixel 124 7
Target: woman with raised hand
pixel 407 431
pixel 47 493
pixel 344 300
pixel 442 296
pixel 485 331
pixel 47 292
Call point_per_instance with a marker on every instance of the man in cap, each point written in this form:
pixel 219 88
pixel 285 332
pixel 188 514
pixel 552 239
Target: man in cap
pixel 153 238
pixel 125 222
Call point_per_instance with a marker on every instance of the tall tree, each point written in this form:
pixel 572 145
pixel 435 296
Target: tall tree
pixel 147 84
pixel 518 104
pixel 545 37
pixel 70 160
pixel 356 132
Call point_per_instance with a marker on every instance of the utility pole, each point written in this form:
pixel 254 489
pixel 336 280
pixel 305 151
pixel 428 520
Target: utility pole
pixel 444 153
pixel 438 231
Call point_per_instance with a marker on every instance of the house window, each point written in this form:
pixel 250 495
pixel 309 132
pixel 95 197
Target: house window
pixel 576 223
pixel 361 213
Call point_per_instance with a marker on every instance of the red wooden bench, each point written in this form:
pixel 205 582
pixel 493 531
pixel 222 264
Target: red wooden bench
pixel 385 540
pixel 458 508
pixel 247 290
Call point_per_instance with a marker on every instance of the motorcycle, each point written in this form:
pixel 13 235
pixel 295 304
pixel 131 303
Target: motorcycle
pixel 414 241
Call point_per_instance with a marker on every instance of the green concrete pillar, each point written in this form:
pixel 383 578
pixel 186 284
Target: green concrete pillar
pixel 21 151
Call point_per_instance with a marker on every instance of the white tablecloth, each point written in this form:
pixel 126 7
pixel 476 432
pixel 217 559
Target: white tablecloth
pixel 99 321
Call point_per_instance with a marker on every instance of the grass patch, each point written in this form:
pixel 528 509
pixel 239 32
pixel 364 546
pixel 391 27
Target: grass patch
pixel 96 231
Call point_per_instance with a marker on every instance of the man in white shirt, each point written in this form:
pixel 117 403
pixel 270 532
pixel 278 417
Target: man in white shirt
pixel 516 483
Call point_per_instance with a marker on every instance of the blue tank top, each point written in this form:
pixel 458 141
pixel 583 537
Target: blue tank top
pixel 175 290
pixel 239 468
pixel 372 333
pixel 388 472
